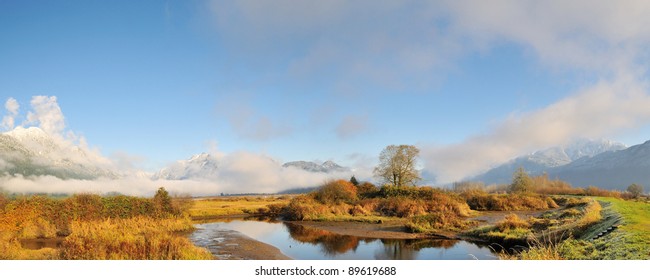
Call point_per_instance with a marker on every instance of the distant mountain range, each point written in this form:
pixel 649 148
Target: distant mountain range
pixel 206 167
pixel 601 163
pixel 33 152
pixel 201 166
pixel 325 167
pixel 611 169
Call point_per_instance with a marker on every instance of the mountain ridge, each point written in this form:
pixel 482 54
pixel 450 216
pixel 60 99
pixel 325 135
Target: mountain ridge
pixel 547 159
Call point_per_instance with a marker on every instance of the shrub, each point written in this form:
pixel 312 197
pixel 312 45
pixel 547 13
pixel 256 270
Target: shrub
pixel 359 210
pixel 635 190
pixel 303 208
pixel 367 190
pixel 595 191
pixel 481 201
pixel 163 204
pixel 401 207
pixel 84 207
pixel 336 192
pixel 521 182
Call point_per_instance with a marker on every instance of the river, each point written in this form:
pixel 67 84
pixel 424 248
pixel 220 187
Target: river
pixel 303 243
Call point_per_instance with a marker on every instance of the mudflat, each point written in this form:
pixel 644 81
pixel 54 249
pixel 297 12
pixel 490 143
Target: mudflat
pixel 236 246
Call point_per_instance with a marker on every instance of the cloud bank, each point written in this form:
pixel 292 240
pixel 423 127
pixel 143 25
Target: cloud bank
pixel 603 41
pixel 238 172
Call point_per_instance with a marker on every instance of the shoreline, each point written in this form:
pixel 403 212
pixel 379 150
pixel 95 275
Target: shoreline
pixel 234 245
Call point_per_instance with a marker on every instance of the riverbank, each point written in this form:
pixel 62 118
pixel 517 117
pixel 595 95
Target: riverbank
pixel 396 228
pixel 233 245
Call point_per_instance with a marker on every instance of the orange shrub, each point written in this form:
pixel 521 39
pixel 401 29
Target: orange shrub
pixel 336 192
pixel 367 189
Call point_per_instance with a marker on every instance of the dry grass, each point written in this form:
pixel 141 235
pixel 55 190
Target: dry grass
pixel 140 238
pixel 242 205
pixel 511 222
pixel 95 227
pixel 482 201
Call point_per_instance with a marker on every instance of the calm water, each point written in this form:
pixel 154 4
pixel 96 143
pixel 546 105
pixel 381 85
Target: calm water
pixel 298 242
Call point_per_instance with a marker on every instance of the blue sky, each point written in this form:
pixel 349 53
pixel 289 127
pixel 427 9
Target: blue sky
pixel 472 84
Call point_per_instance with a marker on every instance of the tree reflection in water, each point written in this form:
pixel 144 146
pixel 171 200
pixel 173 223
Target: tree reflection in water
pixel 333 244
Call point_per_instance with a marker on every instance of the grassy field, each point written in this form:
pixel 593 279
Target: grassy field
pixel 94 227
pixel 205 208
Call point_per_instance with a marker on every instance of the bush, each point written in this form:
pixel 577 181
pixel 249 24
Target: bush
pixel 521 182
pixel 635 190
pixel 482 201
pixel 163 204
pixel 367 190
pixel 595 191
pixel 336 192
pixel 303 208
pixel 401 207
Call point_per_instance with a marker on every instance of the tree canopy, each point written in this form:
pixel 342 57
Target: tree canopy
pixel 397 165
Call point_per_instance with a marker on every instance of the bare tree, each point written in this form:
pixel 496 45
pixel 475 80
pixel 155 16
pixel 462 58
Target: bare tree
pixel 397 165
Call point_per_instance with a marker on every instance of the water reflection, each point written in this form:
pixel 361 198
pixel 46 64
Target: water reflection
pixel 300 242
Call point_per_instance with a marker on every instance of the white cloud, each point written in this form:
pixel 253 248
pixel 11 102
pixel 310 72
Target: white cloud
pixel 596 36
pixel 605 41
pixel 12 107
pixel 47 115
pixel 597 111
pixel 240 172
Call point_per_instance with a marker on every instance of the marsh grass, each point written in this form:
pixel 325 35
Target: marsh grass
pixel 139 238
pixel 96 227
pixel 242 205
pixel 483 201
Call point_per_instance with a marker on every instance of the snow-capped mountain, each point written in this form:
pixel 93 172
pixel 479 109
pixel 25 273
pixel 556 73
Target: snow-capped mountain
pixel 326 167
pixel 202 166
pixel 544 160
pixel 612 169
pixel 33 152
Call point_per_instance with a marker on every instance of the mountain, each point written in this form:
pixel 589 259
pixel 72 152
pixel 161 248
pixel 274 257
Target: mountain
pixel 201 166
pixel 610 170
pixel 545 160
pixel 33 152
pixel 326 167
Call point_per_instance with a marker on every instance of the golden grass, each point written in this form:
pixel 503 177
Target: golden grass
pixel 95 228
pixel 140 238
pixel 226 206
pixel 591 214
